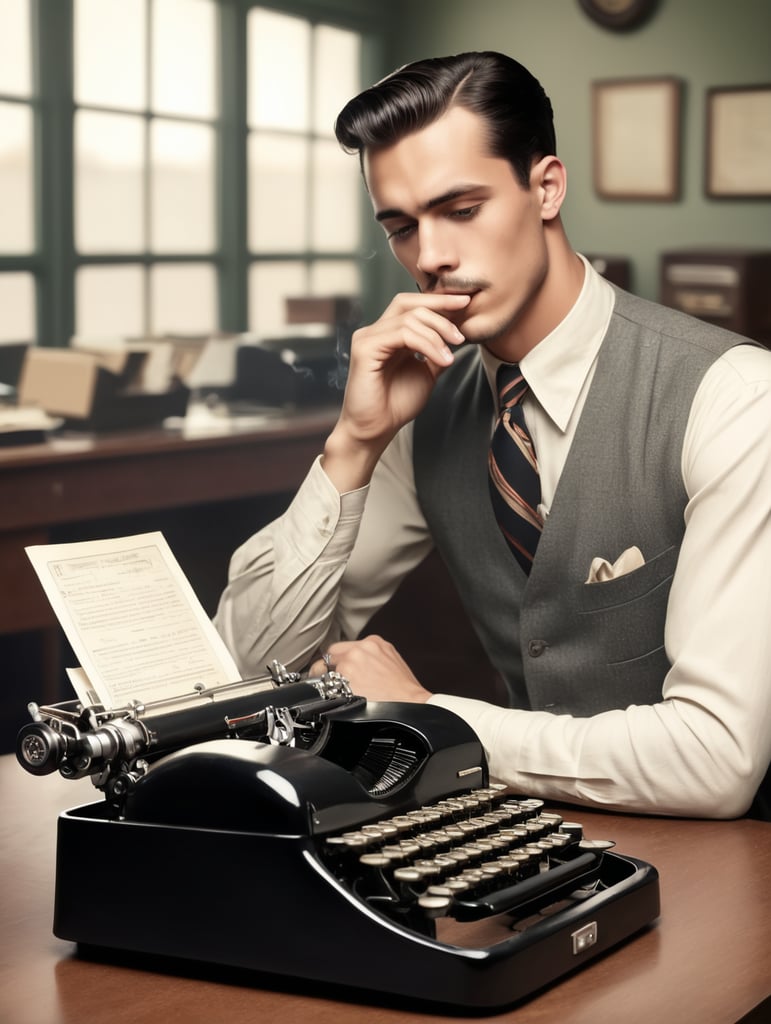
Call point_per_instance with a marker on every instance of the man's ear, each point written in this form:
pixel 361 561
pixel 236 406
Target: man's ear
pixel 549 181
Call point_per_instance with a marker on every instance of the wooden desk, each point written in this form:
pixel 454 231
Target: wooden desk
pixel 706 960
pixel 77 479
pixel 207 484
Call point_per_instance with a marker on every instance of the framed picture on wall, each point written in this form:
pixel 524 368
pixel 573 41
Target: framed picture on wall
pixel 738 142
pixel 636 138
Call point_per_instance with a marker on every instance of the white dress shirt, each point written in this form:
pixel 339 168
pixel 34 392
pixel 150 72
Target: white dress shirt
pixel 321 570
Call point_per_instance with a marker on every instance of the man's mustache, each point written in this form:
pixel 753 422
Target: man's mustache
pixel 462 285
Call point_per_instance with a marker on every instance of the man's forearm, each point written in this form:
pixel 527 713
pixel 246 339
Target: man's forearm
pixel 671 758
pixel 283 583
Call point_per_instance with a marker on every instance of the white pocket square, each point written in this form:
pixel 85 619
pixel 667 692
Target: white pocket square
pixel 601 570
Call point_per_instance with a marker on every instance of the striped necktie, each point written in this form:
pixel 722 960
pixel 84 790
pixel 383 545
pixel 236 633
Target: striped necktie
pixel 515 486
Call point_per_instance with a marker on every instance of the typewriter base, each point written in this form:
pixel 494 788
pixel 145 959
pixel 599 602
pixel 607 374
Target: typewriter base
pixel 200 895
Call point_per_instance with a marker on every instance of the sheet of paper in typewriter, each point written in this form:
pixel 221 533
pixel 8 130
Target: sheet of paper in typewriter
pixel 132 619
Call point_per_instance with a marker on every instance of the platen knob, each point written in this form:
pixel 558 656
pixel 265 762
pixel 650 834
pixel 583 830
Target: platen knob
pixel 39 748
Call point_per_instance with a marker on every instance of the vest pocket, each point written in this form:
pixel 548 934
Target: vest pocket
pixel 625 617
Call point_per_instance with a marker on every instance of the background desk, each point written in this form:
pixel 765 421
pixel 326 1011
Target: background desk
pixel 707 960
pixel 206 485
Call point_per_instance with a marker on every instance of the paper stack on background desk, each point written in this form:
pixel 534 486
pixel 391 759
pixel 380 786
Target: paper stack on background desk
pixel 24 426
pixel 132 620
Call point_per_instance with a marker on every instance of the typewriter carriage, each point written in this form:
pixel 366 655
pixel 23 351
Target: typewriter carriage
pixel 116 746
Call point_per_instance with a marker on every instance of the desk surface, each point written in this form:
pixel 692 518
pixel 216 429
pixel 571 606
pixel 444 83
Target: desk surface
pixel 706 959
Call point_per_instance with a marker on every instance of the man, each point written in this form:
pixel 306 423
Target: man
pixel 630 618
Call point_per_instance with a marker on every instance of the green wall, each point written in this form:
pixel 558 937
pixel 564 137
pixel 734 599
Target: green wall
pixel 703 42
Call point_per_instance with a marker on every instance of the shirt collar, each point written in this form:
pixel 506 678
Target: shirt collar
pixel 557 368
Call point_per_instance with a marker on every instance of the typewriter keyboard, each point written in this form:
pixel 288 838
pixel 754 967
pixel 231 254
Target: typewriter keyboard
pixel 466 857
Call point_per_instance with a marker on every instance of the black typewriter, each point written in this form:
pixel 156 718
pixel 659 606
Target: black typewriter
pixel 288 827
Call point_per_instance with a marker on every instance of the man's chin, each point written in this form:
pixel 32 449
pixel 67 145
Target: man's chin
pixel 481 333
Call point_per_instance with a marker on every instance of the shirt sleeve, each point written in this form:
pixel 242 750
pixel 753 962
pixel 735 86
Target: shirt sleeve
pixel 318 572
pixel 704 749
pixel 283 581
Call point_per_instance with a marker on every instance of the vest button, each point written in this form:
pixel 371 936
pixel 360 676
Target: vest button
pixel 535 648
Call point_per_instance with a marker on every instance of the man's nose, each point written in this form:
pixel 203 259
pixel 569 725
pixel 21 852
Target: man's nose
pixel 436 253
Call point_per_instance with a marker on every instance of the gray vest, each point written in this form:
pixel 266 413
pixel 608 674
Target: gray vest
pixel 560 644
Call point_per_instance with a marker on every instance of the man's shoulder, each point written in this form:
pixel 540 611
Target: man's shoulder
pixel 635 316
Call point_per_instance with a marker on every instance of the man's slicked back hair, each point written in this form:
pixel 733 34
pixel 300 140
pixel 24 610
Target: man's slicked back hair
pixel 513 104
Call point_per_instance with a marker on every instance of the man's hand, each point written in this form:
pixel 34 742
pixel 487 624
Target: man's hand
pixel 394 365
pixel 374 669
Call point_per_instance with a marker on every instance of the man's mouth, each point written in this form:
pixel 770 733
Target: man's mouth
pixel 471 292
pixel 455 286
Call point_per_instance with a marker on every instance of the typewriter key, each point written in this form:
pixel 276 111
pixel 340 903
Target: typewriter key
pixel 410 875
pixel 427 869
pixel 455 833
pixel 435 906
pixel 439 890
pixel 402 823
pixel 374 860
pixel 457 885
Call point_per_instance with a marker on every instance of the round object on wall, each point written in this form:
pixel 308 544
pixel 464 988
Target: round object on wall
pixel 618 14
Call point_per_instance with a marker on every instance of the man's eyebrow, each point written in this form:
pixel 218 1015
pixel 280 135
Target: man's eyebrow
pixel 447 197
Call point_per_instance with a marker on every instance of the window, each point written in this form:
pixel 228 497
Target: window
pixel 169 166
pixel 144 157
pixel 303 191
pixel 18 116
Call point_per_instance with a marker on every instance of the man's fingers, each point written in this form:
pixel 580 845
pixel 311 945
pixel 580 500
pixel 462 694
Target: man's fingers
pixel 419 329
pixel 374 669
pixel 427 300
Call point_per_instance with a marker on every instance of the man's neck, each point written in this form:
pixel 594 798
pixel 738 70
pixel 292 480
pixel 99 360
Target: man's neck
pixel 547 308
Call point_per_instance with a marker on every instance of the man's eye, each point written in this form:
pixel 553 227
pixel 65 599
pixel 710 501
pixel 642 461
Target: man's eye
pixel 398 234
pixel 466 213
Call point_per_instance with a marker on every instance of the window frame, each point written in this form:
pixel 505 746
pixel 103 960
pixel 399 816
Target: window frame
pixel 54 263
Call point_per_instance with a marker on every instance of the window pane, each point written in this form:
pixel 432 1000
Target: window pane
pixel 17 233
pixel 109 302
pixel 278 186
pixel 17 301
pixel 270 284
pixel 183 299
pixel 182 164
pixel 336 199
pixel 336 75
pixel 335 277
pixel 109 184
pixel 184 37
pixel 109 53
pixel 278 49
pixel 15 74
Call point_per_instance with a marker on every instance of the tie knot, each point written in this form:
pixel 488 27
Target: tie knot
pixel 511 385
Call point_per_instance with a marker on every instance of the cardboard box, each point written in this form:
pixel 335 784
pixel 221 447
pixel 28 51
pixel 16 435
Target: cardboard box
pixel 312 309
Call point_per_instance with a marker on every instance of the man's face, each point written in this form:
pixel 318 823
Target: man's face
pixel 458 220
